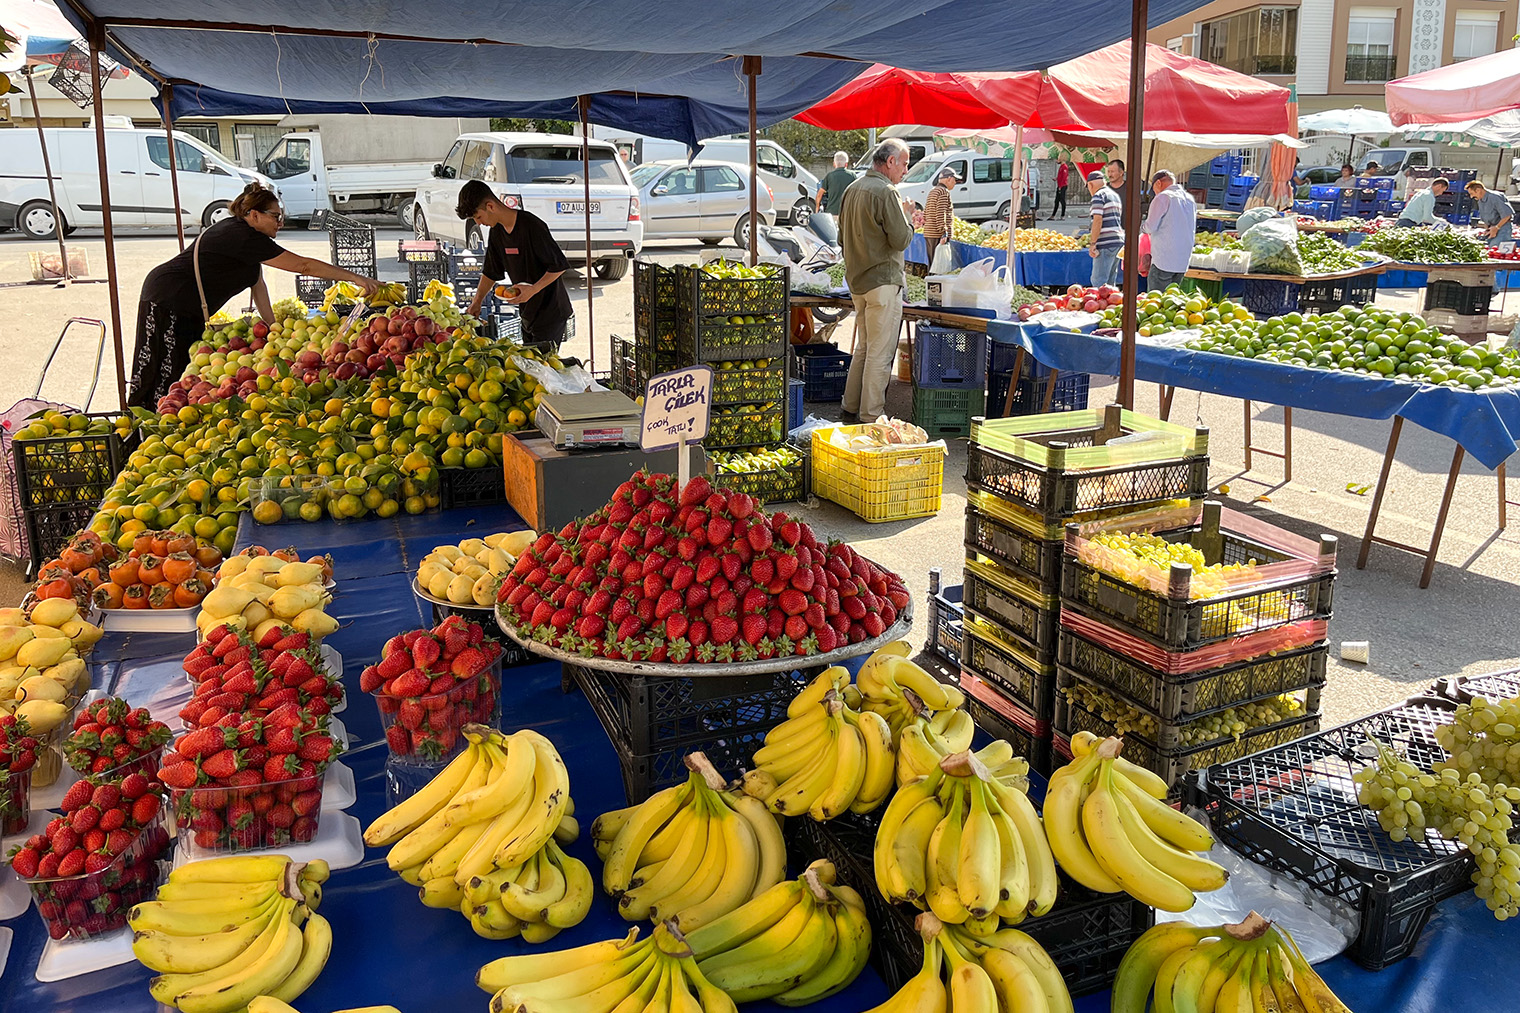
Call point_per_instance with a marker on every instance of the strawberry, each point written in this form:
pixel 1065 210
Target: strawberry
pixel 370 679
pixel 318 748
pixel 792 602
pixel 790 531
pixel 135 785
pixel 630 627
pixel 201 742
pixel 591 626
pixel 426 650
pixel 112 819
pixel 873 625
pixel 708 567
pixel 455 638
pixel 399 741
pixel 72 864
pixel 84 819
pixel 676 625
pixel 118 841
pixel 96 862
pixel 78 794
pixel 47 866
pixel 724 629
pixel 24 862
pixel 718 531
pixel 65 839
pixel 759 537
pixel 472 661
pixel 753 628
pixel 828 639
pixel 732 565
pixel 814 616
pixel 696 491
pixel 410 683
pixel 222 765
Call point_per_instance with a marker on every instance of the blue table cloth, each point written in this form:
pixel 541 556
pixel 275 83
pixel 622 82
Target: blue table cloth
pixel 1485 423
pixel 389 948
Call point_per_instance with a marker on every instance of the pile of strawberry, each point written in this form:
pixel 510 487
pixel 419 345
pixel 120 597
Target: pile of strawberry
pixel 109 735
pixel 251 783
pixel 234 675
pixel 98 859
pixel 18 754
pixel 708 578
pixel 429 684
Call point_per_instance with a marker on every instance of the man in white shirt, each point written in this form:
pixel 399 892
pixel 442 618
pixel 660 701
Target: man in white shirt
pixel 1172 224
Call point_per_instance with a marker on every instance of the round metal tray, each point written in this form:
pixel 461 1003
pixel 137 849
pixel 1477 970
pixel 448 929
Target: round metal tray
pixel 472 607
pixel 789 663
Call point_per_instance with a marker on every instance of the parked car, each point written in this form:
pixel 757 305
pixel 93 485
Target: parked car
pixel 984 192
pixel 542 173
pixel 793 187
pixel 141 191
pixel 705 199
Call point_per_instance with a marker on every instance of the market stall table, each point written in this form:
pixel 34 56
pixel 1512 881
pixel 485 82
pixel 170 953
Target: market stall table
pixel 1485 424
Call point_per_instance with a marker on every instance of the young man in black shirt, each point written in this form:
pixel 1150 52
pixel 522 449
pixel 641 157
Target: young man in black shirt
pixel 519 246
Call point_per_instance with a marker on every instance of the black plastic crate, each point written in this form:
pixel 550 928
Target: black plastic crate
pixel 701 294
pixel 654 721
pixel 312 292
pixel 1070 394
pixel 748 384
pixel 943 357
pixel 70 469
pixel 654 314
pixel 1178 696
pixel 352 242
pixel 946 624
pixel 1182 623
pixel 1457 297
pixel 49 529
pixel 625 374
pixel 1026 613
pixel 749 426
pixel 466 487
pixel 776 485
pixel 465 270
pixel 1328 294
pixel 1001 719
pixel 1020 675
pixel 424 271
pixel 1269 298
pixel 823 370
pixel 1491 686
pixel 1015 548
pixel 1294 810
pixel 1172 764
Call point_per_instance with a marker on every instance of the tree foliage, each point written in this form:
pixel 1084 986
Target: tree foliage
pixel 813 146
pixel 516 124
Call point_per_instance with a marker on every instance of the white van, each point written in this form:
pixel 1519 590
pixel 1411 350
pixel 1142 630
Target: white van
pixel 984 192
pixel 793 187
pixel 141 191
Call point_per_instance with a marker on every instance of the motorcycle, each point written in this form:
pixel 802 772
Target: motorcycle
pixel 812 246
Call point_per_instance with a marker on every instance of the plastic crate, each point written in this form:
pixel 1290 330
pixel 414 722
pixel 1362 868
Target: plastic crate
pixel 1055 465
pixel 743 385
pixel 794 408
pixel 1015 539
pixel 312 292
pixel 823 370
pixel 625 374
pixel 1029 612
pixel 1175 697
pixel 1070 394
pixel 654 315
pixel 1329 294
pixel 1086 934
pixel 1266 298
pixel 70 468
pixel 1293 808
pixel 1176 621
pixel 352 242
pixel 891 484
pixel 945 623
pixel 465 270
pixel 949 358
pixel 1172 764
pixel 751 425
pixel 1000 718
pixel 945 411
pixel 423 271
pixel 1458 298
pixel 1013 669
pixel 654 721
pixel 1490 685
pixel 777 485
pixel 467 487
pixel 706 306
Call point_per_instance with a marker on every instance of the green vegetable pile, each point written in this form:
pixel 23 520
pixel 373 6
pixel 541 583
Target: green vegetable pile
pixel 917 290
pixel 1324 255
pixel 1421 246
pixel 1206 241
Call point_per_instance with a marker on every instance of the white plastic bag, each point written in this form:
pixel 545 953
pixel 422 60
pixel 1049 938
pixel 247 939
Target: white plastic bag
pixel 943 261
pixel 571 380
pixel 989 288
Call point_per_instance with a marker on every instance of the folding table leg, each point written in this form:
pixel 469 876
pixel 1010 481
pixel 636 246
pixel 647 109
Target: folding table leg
pixel 1504 500
pixel 1377 497
pixel 1428 554
pixel 1166 393
pixel 1013 381
pixel 1050 390
pixel 1287 452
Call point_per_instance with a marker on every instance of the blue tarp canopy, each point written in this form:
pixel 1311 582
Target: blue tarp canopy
pixel 662 67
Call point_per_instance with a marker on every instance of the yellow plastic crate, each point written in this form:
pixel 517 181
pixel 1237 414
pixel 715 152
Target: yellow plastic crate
pixel 878 485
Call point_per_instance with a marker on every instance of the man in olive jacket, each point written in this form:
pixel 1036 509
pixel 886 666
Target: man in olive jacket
pixel 875 228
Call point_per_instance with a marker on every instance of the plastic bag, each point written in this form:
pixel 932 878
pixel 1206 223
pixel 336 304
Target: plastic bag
pixel 571 380
pixel 943 261
pixel 1273 246
pixel 1254 216
pixel 988 288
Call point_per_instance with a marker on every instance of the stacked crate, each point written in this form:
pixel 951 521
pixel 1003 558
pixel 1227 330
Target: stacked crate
pixel 1026 478
pixel 1221 171
pixel 654 319
pixel 823 370
pixel 1455 205
pixel 1031 387
pixel 949 379
pixel 1238 192
pixel 1458 301
pixel 1192 668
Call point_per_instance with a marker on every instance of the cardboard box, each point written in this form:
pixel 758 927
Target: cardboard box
pixel 551 487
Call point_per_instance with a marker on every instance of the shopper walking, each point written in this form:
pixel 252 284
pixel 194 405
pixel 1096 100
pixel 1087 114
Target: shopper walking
pixel 1107 236
pixel 874 229
pixel 180 295
pixel 1063 177
pixel 1493 211
pixel 1421 208
pixel 1172 224
pixel 832 187
pixel 939 210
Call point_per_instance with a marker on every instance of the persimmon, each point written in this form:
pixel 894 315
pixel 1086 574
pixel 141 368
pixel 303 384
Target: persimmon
pixel 109 553
pixel 91 577
pixel 161 595
pixel 109 596
pixel 289 554
pixel 53 569
pixel 76 560
pixel 205 577
pixel 189 593
pixel 143 543
pixel 135 597
pixel 150 569
pixel 125 571
pixel 181 543
pixel 58 587
pixel 208 556
pixel 161 543
pixel 326 563
pixel 254 551
pixel 179 567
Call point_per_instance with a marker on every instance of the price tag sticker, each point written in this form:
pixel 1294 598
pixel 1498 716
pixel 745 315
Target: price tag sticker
pixel 676 408
pixel 1508 246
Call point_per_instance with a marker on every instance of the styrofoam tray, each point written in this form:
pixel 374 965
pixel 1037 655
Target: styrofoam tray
pixel 338 842
pixel 5 948
pixel 70 958
pixel 338 788
pixel 151 620
pixel 15 896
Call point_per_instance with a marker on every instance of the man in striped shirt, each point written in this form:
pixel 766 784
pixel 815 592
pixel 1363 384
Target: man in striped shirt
pixel 939 210
pixel 1107 237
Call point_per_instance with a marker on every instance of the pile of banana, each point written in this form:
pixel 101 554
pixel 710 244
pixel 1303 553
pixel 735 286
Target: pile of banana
pixel 889 683
pixel 1111 831
pixel 798 942
pixel 391 293
pixel 1007 972
pixel 690 853
pixel 827 757
pixel 269 1004
pixel 1250 966
pixel 225 930
pixel 484 836
pixel 967 847
pixel 928 740
pixel 655 975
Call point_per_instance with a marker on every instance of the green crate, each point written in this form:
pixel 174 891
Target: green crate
pixel 941 412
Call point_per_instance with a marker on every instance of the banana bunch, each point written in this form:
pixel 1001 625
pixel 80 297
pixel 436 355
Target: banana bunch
pixel 223 931
pixel 928 740
pixel 1006 973
pixel 1111 831
pixel 658 974
pixel 1250 966
pixel 798 942
pixel 689 853
pixel 269 1004
pixel 388 294
pixel 967 847
pixel 484 836
pixel 826 757
pixel 889 684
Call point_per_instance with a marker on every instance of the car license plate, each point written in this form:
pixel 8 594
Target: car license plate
pixel 576 207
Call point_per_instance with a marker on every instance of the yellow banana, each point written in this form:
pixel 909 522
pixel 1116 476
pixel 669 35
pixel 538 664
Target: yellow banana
pixel 551 794
pixel 635 904
pixel 772 846
pixel 491 921
pixel 570 909
pixel 738 874
pixel 812 694
pixel 880 773
pixel 1170 825
pixel 1310 987
pixel 852 947
pixel 1235 994
pixel 1034 957
pixel 663 844
pixel 746 922
pixel 1288 999
pixel 651 815
pixel 980 863
pixel 164 951
pixel 408 815
pixel 1138 970
pixel 1013 873
pixel 970 987
pixel 898 862
pixel 915 756
pixel 924 992
pixel 316 947
pixel 799 792
pixel 445 860
pixel 604 829
pixel 599 986
pixel 234 988
pixel 1040 864
pixel 1015 984
pixel 416 845
pixel 707 873
pixel 710 998
pixel 1197 874
pixel 942 861
pixel 849 773
pixel 1119 857
pixel 498 974
pixel 1063 825
pixel 198 917
pixel 777 959
pixel 232 869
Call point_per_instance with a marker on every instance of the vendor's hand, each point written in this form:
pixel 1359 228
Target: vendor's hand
pixel 1092 251
pixel 1493 232
pixel 368 285
pixel 908 208
pixel 520 294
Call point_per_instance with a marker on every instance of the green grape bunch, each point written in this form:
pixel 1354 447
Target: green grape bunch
pixel 1483 738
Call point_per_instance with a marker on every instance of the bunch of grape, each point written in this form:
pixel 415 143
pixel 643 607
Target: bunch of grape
pixel 1230 723
pixel 1484 738
pixel 1124 717
pixel 1145 560
pixel 1409 801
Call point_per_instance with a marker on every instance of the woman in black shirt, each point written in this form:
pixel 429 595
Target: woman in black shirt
pixel 175 304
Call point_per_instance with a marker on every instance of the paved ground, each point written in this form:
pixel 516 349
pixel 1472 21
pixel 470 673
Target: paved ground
pixel 1463 623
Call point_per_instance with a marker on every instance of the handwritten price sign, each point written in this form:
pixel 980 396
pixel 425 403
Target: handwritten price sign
pixel 676 408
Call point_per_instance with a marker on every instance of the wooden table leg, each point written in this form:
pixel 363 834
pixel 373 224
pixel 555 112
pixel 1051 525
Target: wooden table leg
pixel 1382 487
pixel 1013 382
pixel 1166 401
pixel 1286 456
pixel 1050 390
pixel 1435 536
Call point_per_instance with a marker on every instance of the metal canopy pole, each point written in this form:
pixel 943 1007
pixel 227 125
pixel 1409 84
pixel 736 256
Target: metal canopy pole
pixel 1131 284
pixel 98 43
pixel 752 71
pixel 1016 202
pixel 179 213
pixel 583 103
pixel 47 170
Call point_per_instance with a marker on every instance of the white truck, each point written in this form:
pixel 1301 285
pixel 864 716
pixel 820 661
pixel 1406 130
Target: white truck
pixel 358 163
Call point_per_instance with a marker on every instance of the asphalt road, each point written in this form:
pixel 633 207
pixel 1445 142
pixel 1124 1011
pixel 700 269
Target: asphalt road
pixel 1464 623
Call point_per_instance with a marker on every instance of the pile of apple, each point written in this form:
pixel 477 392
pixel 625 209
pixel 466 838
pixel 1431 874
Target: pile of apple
pixel 1078 298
